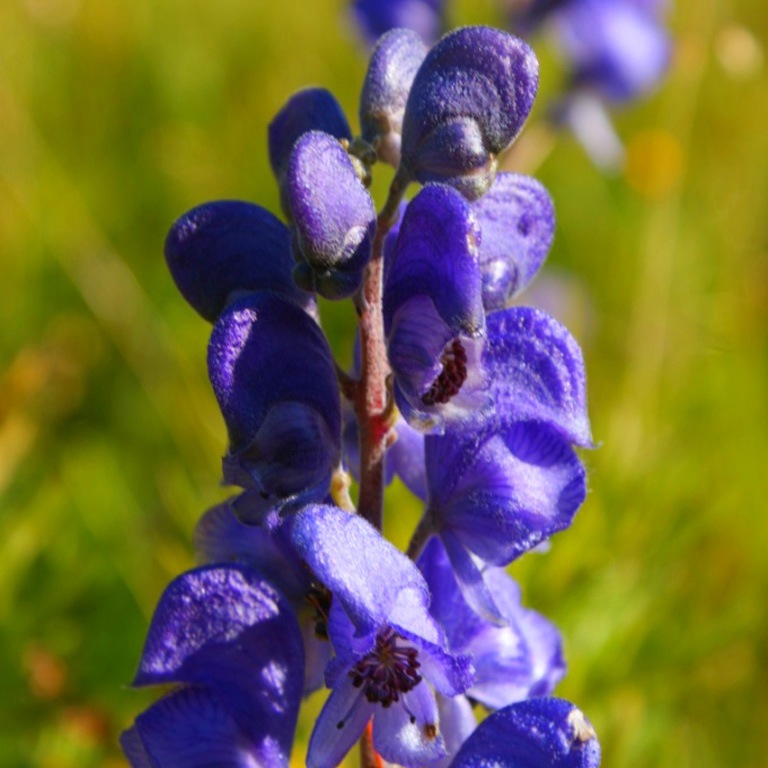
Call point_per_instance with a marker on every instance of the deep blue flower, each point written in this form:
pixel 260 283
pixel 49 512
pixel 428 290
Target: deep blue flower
pixel 468 102
pixel 433 310
pixel 499 488
pixel 375 17
pixel 233 645
pixel 391 69
pixel 390 651
pixel 274 377
pixel 311 109
pixel 221 536
pixel 333 215
pixel 534 733
pixel 219 250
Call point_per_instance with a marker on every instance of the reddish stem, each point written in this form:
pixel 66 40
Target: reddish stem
pixel 368 755
pixel 371 403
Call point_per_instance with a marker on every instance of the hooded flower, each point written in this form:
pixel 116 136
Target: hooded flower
pixel 274 377
pixel 232 645
pixel 390 653
pixel 433 311
pixel 469 100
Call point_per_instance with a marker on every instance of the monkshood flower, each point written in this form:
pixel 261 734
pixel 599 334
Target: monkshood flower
pixel 500 488
pixel 231 644
pixel 469 100
pixel 222 537
pixel 618 48
pixel 391 69
pixel 390 652
pixel 312 109
pixel 333 215
pixel 433 311
pixel 274 378
pixel 517 222
pixel 375 17
pixel 219 250
pixel 534 733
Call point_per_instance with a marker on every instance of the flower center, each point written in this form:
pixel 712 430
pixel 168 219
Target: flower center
pixel 453 375
pixel 387 671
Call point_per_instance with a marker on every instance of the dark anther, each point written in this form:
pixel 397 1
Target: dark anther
pixel 387 671
pixel 453 375
pixel 319 598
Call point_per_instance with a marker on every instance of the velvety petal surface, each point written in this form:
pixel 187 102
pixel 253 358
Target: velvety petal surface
pixel 505 491
pixel 227 247
pixel 538 732
pixel 468 102
pixel 284 427
pixel 226 629
pixel 311 109
pixel 433 313
pixel 536 371
pixel 517 221
pixel 333 213
pixel 192 729
pixel 391 69
pixel 364 572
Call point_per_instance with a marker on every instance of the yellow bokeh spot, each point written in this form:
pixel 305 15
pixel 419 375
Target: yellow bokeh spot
pixel 654 163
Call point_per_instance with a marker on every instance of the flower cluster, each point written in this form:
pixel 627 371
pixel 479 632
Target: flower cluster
pixel 614 51
pixel 476 404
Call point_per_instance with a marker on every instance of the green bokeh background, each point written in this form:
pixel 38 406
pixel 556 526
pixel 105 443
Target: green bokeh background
pixel 115 117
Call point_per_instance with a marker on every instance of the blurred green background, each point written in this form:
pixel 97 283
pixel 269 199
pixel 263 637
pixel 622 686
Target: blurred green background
pixel 116 117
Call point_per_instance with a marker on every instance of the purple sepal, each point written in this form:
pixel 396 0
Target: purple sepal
pixel 517 221
pixel 391 69
pixel 343 550
pixel 311 109
pixel 503 490
pixel 375 17
pixel 433 311
pixel 227 247
pixel 193 729
pixel 536 372
pixel 285 427
pixel 333 213
pixel 468 102
pixel 225 630
pixel 512 662
pixel 536 732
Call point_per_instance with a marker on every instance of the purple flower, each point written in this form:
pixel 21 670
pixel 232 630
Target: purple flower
pixel 221 537
pixel 274 377
pixel 537 732
pixel 517 222
pixel 433 311
pixel 390 651
pixel 499 488
pixel 333 214
pixel 617 47
pixel 219 250
pixel 231 642
pixel 375 17
pixel 311 109
pixel 468 102
pixel 392 67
